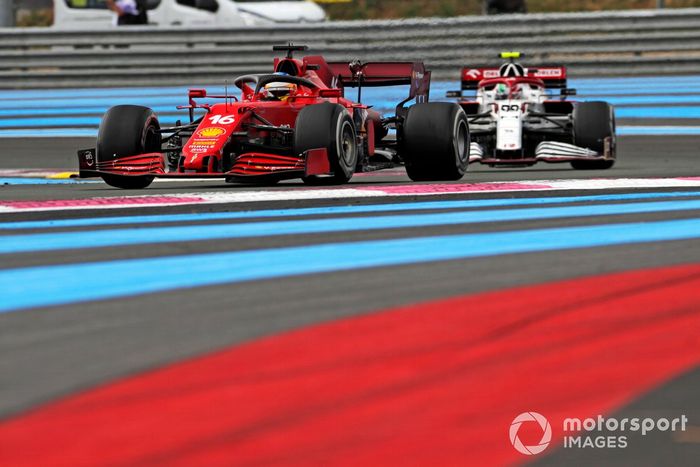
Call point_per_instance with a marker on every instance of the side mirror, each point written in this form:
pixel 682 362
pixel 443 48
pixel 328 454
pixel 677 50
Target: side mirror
pixel 568 92
pixel 197 93
pixel 454 94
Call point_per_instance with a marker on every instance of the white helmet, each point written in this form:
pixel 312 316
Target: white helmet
pixel 279 90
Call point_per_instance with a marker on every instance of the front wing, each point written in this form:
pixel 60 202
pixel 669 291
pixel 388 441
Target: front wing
pixel 247 166
pixel 546 151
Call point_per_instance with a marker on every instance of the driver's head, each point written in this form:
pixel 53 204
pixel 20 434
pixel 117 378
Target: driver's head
pixel 280 91
pixel 501 91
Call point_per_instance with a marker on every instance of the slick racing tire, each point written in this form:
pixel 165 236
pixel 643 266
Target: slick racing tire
pixel 127 130
pixel 593 123
pixel 435 142
pixel 328 126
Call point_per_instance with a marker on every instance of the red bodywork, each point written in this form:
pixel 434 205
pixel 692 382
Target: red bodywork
pixel 550 76
pixel 253 137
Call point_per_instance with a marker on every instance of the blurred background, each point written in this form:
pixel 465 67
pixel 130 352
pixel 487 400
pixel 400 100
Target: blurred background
pixel 25 13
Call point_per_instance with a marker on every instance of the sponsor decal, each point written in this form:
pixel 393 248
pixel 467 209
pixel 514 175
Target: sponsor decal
pixel 89 159
pixel 200 145
pixel 511 70
pixel 211 132
pixel 473 74
pixel 198 149
pixel 548 72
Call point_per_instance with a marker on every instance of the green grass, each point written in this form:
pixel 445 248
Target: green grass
pixel 365 9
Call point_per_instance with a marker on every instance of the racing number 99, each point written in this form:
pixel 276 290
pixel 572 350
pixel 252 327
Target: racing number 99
pixel 510 108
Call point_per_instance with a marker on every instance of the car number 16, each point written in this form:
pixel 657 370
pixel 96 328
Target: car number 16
pixel 222 119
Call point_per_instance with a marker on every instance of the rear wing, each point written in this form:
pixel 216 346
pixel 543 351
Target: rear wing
pixel 374 74
pixel 384 74
pixel 553 76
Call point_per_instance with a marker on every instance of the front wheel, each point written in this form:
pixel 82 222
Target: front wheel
pixel 127 130
pixel 435 142
pixel 328 126
pixel 594 124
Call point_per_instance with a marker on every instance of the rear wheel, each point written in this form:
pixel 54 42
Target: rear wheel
pixel 594 122
pixel 127 130
pixel 435 142
pixel 330 127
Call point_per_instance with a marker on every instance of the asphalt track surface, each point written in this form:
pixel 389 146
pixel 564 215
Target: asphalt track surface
pixel 53 354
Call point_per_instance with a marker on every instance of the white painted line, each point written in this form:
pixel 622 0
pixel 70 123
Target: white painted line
pixel 247 196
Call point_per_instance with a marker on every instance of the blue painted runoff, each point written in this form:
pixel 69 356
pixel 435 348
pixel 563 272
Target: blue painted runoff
pixel 151 235
pixel 65 284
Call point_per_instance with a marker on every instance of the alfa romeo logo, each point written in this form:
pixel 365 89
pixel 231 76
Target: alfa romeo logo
pixel 546 433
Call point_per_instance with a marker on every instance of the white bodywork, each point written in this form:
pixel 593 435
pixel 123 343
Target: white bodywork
pixel 504 111
pixel 508 111
pixel 509 126
pixel 171 13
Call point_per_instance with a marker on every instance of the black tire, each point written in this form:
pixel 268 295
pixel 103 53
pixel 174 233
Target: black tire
pixel 328 126
pixel 127 130
pixel 593 123
pixel 435 142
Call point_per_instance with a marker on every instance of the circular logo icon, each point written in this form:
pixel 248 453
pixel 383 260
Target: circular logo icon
pixel 546 433
pixel 211 132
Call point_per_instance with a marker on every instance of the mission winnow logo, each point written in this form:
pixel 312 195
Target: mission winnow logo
pixel 596 433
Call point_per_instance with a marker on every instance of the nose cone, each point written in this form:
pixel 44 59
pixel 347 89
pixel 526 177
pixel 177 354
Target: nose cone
pixel 208 140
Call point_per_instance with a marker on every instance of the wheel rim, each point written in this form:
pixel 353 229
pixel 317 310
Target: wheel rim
pixel 347 145
pixel 152 140
pixel 461 140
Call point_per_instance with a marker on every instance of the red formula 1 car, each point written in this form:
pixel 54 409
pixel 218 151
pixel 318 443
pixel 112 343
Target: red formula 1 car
pixel 293 123
pixel 516 121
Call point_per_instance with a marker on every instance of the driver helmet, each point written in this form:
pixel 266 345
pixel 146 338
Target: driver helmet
pixel 280 91
pixel 501 91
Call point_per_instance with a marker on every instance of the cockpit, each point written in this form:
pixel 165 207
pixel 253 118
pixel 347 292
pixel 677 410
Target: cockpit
pixel 527 90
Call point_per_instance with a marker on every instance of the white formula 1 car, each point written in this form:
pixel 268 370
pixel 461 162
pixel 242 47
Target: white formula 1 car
pixel 515 120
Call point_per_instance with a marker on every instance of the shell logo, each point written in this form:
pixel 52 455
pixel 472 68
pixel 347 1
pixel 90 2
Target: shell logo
pixel 211 132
